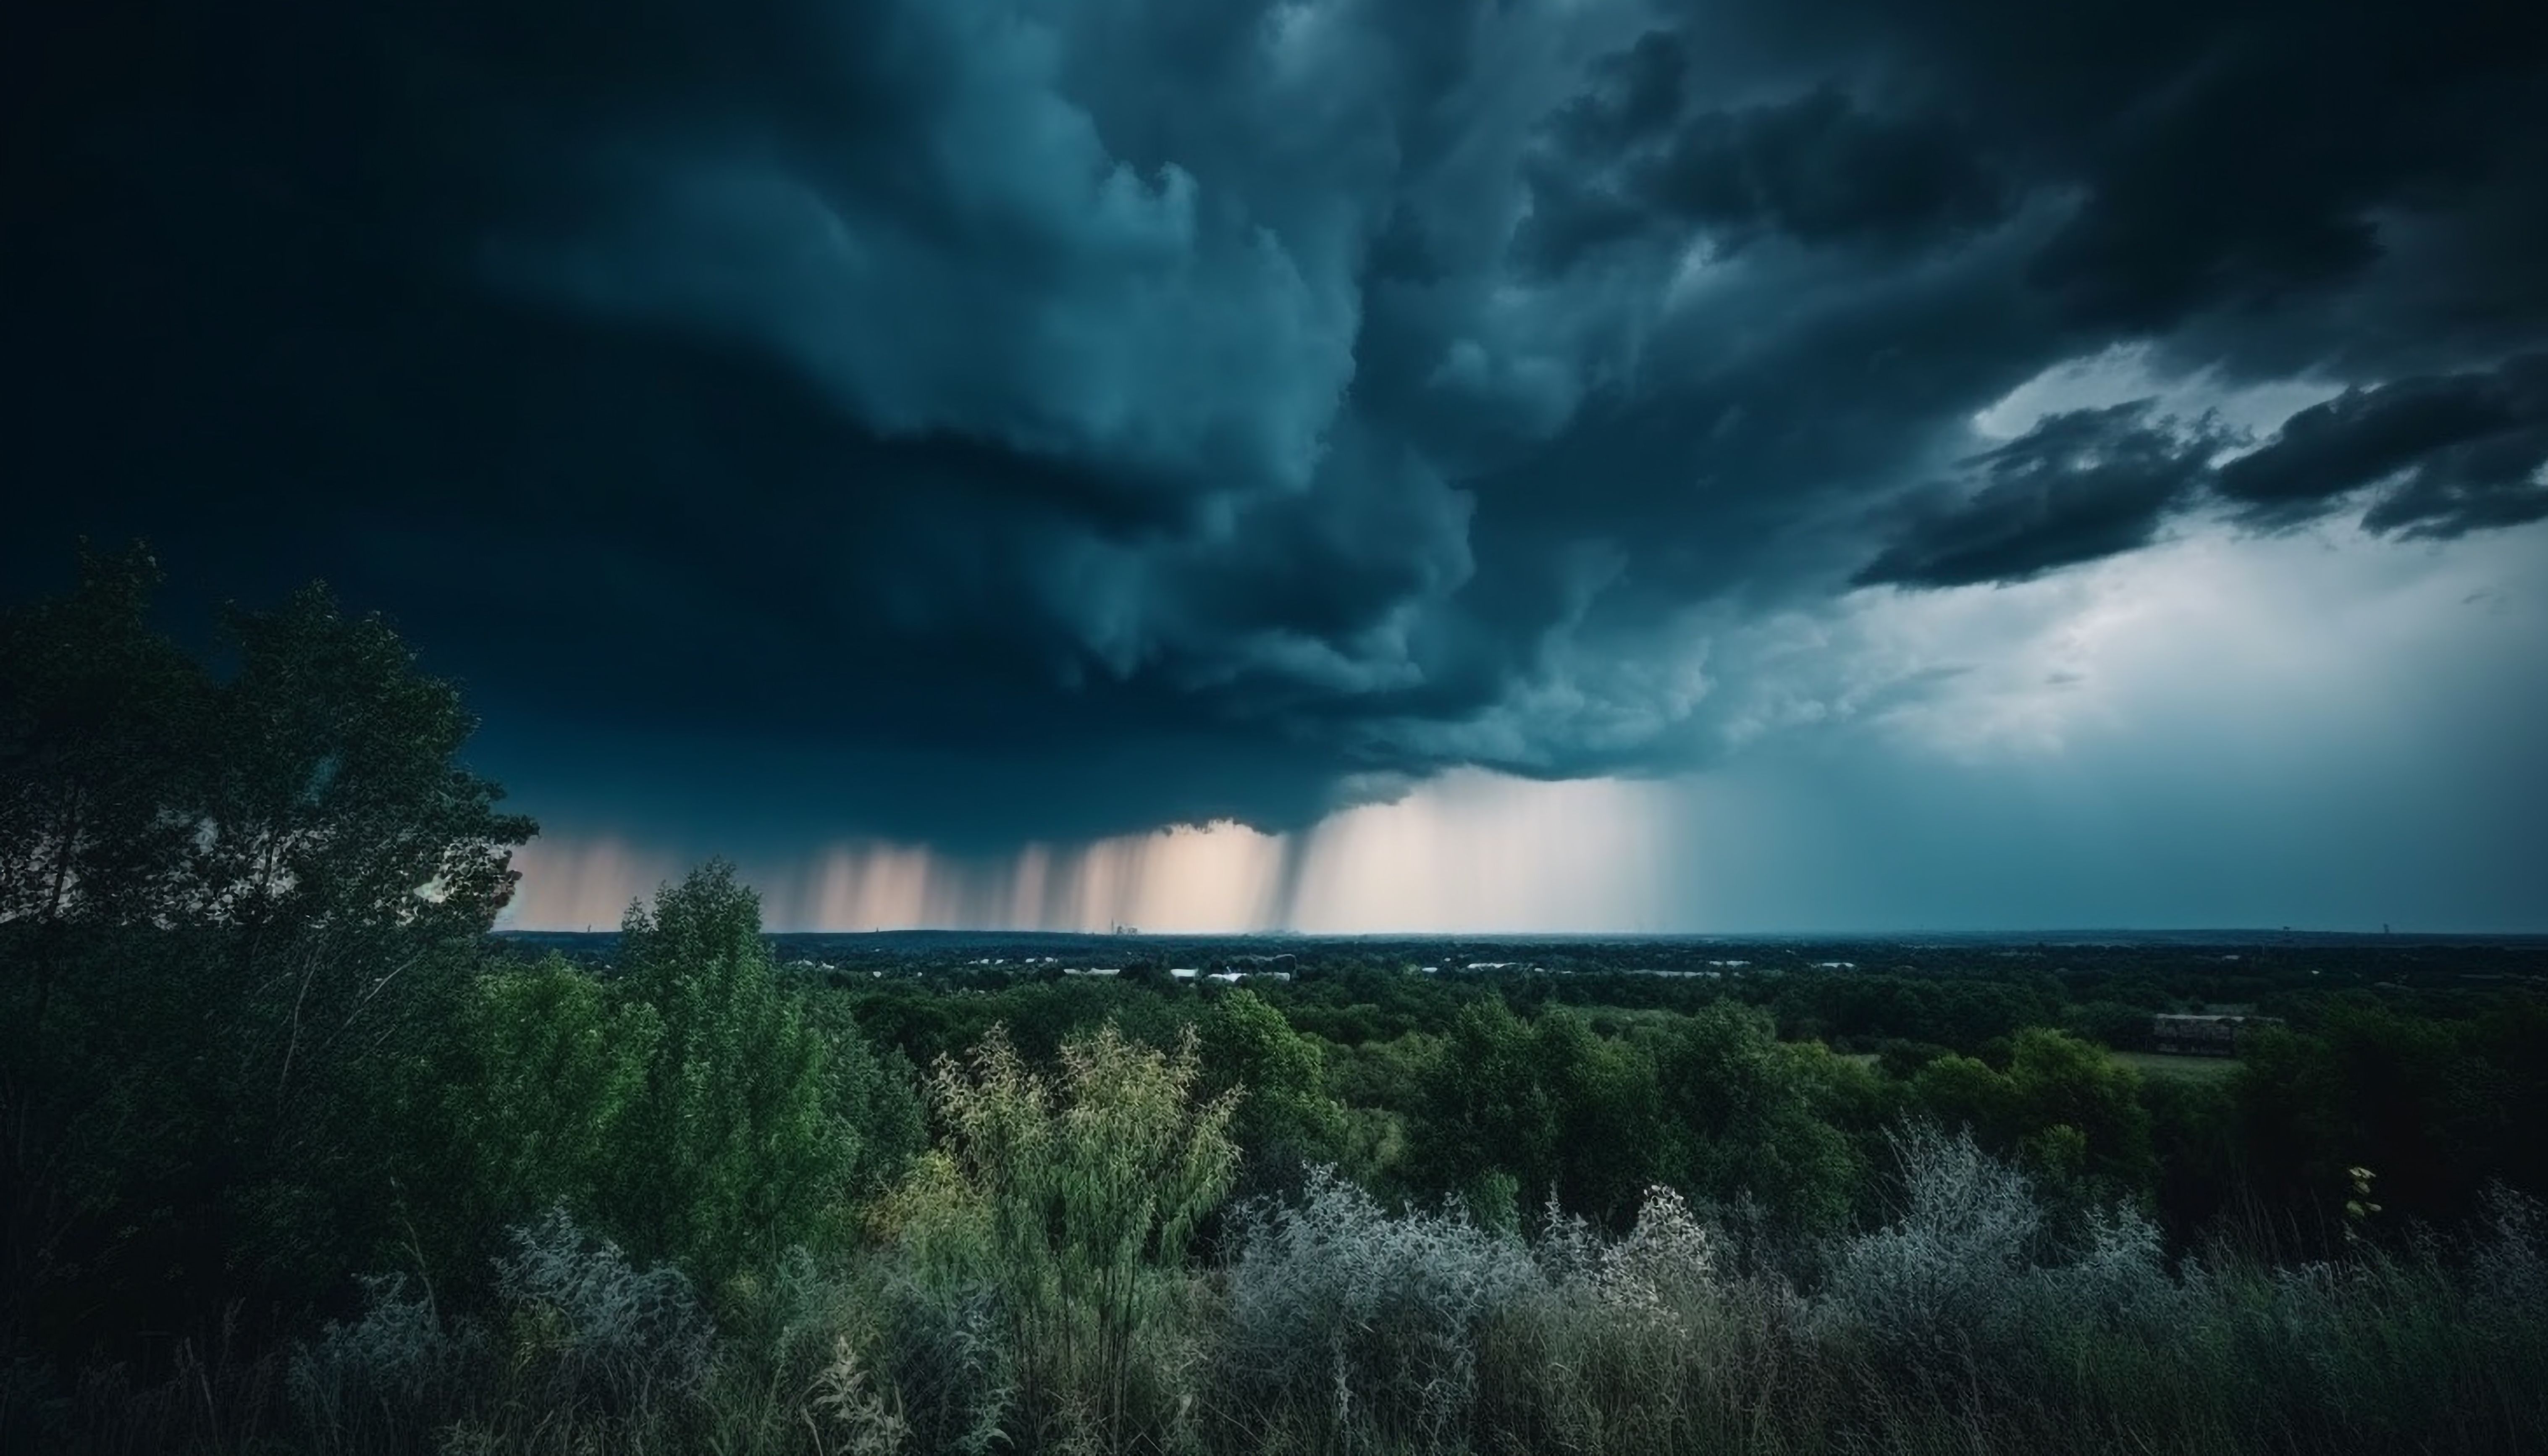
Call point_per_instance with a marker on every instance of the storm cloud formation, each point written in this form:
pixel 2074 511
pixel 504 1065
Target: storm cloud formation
pixel 2457 452
pixel 985 420
pixel 2078 486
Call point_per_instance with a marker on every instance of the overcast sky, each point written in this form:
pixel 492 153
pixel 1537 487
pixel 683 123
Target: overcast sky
pixel 1550 464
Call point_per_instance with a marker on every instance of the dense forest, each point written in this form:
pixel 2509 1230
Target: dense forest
pixel 299 1157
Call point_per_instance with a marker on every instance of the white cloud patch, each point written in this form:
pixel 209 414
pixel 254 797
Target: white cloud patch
pixel 2316 729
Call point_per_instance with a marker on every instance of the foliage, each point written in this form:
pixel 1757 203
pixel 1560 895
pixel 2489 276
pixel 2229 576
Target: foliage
pixel 1285 1118
pixel 1085 1187
pixel 1739 1117
pixel 613 1338
pixel 1933 1276
pixel 536 1105
pixel 2435 1108
pixel 585 1344
pixel 1511 1108
pixel 736 1146
pixel 93 703
pixel 2071 1113
pixel 227 901
pixel 1352 1325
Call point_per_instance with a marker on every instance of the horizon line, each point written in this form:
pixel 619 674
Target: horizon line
pixel 2040 933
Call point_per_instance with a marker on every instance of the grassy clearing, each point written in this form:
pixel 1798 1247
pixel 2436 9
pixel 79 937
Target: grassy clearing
pixel 2175 1065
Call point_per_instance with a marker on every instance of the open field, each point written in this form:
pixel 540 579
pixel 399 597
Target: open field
pixel 2175 1065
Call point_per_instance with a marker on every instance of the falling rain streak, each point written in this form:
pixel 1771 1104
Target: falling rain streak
pixel 1471 853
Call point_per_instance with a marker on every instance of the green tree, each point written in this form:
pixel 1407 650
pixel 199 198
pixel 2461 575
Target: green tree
pixel 93 704
pixel 343 870
pixel 1739 1116
pixel 2060 1081
pixel 1483 1110
pixel 2435 1108
pixel 1285 1118
pixel 1605 1102
pixel 535 1110
pixel 2070 1112
pixel 737 1146
pixel 874 1090
pixel 1510 1110
pixel 95 707
pixel 226 902
pixel 697 1107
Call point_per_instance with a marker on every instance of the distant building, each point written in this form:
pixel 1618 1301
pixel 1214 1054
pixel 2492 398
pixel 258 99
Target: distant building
pixel 1183 972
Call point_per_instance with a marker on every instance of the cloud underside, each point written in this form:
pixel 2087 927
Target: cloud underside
pixel 998 420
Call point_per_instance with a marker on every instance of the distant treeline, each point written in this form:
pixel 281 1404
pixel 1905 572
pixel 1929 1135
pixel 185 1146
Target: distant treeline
pixel 2431 1075
pixel 298 1158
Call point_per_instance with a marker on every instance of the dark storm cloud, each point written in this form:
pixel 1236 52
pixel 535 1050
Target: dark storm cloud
pixel 2079 486
pixel 2456 453
pixel 1636 160
pixel 986 418
pixel 2249 155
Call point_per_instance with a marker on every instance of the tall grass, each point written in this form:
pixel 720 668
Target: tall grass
pixel 1334 1324
pixel 1957 1324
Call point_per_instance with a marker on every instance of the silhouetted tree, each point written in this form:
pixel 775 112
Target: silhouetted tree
pixel 220 895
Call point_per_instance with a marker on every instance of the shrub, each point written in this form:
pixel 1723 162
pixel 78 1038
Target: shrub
pixel 1078 1196
pixel 613 1337
pixel 592 1344
pixel 800 1366
pixel 1343 1321
pixel 391 1375
pixel 1924 1287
